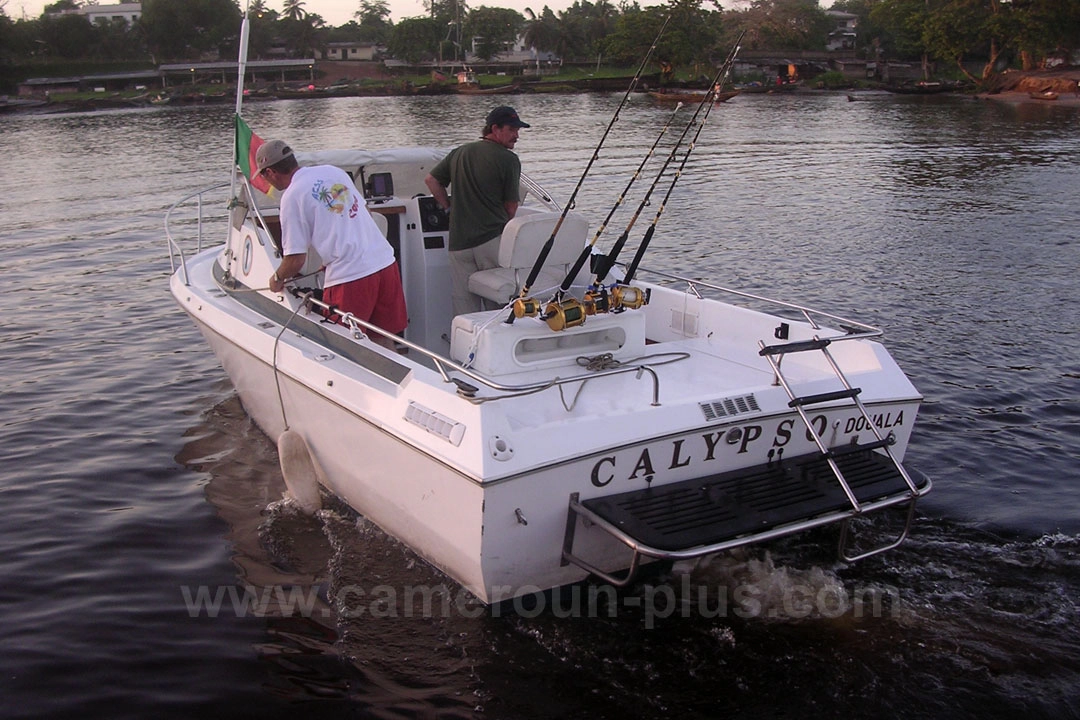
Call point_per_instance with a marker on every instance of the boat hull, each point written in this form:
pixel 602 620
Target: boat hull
pixel 499 537
pixel 490 448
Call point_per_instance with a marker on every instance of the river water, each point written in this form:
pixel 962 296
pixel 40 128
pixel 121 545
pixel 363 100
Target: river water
pixel 131 481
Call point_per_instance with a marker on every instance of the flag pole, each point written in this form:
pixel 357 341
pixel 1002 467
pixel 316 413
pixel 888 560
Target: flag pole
pixel 241 70
pixel 241 63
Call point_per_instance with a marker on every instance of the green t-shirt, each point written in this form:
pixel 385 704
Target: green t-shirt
pixel 482 176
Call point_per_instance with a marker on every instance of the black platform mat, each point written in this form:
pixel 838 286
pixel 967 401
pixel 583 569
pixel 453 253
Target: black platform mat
pixel 721 507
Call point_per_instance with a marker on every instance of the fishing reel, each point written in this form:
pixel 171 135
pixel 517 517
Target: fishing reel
pixel 628 297
pixel 565 313
pixel 596 301
pixel 525 307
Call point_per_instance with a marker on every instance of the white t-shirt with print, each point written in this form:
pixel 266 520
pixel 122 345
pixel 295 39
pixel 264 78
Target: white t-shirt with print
pixel 322 209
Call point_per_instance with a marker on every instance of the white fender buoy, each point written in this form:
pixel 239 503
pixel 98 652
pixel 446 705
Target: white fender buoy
pixel 299 470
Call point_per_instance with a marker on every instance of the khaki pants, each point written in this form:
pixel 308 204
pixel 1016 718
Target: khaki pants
pixel 464 263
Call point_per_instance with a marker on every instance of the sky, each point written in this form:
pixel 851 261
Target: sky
pixel 334 12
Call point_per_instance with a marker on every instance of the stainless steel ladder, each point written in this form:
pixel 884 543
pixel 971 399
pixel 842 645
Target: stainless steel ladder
pixel 774 354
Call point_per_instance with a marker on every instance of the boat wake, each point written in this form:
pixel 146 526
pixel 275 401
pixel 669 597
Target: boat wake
pixel 956 617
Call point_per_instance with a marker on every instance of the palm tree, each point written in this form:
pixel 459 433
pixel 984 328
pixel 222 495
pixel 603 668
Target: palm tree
pixel 543 32
pixel 294 9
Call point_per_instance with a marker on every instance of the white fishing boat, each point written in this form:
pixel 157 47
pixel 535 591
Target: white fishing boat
pixel 553 436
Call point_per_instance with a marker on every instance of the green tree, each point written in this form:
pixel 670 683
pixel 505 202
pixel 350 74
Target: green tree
pixel 1045 27
pixel 186 29
pixel 61 5
pixel 416 39
pixel 374 21
pixel 902 23
pixel 495 27
pixel 117 40
pixel 447 10
pixel 302 37
pixel 586 26
pixel 67 36
pixel 692 35
pixel 262 29
pixel 543 32
pixel 783 25
pixel 633 35
pixel 963 28
pixel 294 10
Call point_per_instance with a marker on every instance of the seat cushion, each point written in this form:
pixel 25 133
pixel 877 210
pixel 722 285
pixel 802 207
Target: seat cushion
pixel 499 285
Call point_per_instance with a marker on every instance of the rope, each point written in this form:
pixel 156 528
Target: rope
pixel 277 372
pixel 290 281
pixel 604 361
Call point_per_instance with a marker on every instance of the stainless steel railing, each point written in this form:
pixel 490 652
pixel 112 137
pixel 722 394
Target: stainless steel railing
pixel 812 316
pixel 176 252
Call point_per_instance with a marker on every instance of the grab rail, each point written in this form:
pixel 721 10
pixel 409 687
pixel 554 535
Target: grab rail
pixel 866 331
pixel 446 365
pixel 175 251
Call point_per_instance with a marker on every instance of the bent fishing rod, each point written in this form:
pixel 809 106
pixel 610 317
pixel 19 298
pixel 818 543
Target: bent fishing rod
pixel 541 258
pixel 714 88
pixel 587 250
pixel 706 103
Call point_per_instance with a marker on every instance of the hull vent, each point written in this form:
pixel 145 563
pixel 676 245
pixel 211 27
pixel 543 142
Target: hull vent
pixel 729 407
pixel 435 423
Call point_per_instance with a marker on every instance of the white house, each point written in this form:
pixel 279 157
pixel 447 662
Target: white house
pixel 843 34
pixel 349 51
pixel 516 52
pixel 129 12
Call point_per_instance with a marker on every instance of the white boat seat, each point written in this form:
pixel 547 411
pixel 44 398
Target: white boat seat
pixel 380 222
pixel 519 247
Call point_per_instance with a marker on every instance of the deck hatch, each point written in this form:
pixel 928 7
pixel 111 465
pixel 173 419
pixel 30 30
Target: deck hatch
pixel 720 507
pixel 729 407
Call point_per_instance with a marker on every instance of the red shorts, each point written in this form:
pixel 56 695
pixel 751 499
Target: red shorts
pixel 376 298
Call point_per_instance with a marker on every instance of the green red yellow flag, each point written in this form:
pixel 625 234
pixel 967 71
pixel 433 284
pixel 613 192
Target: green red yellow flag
pixel 247 143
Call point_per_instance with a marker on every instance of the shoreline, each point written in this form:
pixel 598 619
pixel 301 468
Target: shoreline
pixel 1061 88
pixel 1014 97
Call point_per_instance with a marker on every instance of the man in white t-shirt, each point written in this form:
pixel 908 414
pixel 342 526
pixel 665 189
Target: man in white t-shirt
pixel 321 209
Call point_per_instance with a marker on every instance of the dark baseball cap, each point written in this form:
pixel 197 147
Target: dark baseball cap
pixel 505 115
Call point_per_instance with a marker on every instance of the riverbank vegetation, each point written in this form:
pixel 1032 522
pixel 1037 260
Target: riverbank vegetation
pixel 977 38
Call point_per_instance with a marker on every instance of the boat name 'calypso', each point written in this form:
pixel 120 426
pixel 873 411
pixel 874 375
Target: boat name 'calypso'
pixel 683 453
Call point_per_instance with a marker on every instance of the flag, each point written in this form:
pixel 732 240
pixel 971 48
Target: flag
pixel 247 143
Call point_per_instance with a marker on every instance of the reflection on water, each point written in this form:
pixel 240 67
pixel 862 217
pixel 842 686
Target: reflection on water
pixel 700 638
pixel 947 221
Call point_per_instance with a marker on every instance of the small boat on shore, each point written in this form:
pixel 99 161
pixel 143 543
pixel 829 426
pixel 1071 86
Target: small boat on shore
pixel 769 88
pixel 1043 95
pixel 926 88
pixel 498 90
pixel 689 97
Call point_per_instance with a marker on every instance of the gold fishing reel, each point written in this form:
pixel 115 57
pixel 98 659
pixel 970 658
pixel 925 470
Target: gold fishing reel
pixel 526 307
pixel 563 314
pixel 628 297
pixel 596 301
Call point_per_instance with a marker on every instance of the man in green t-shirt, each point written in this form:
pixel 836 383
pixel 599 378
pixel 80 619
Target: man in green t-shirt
pixel 484 176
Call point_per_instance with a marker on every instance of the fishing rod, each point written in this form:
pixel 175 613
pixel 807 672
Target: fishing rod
pixel 541 258
pixel 587 250
pixel 678 173
pixel 707 103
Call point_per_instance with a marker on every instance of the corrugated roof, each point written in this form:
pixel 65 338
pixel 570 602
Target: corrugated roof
pixel 251 65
